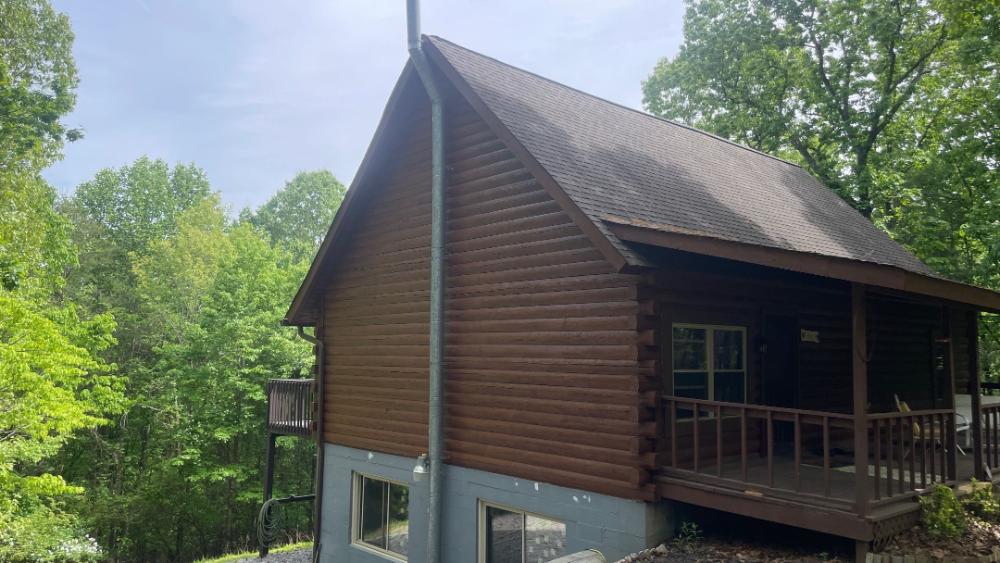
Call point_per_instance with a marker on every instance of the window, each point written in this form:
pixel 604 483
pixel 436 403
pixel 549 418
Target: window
pixel 381 518
pixel 509 535
pixel 709 362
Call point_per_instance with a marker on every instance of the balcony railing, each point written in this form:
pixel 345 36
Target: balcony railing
pixel 290 406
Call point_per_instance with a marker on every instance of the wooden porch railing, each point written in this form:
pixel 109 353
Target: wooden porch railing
pixel 907 452
pixel 991 436
pixel 911 451
pixel 290 406
pixel 699 417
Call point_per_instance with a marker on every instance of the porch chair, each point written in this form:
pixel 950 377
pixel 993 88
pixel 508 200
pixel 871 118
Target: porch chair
pixel 932 436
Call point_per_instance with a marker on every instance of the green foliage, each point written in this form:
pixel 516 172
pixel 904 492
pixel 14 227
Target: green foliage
pixel 37 83
pixel 44 535
pixel 54 382
pixel 818 80
pixel 50 382
pixel 300 213
pixel 199 310
pixel 689 536
pixel 892 104
pixel 139 203
pixel 982 502
pixel 941 513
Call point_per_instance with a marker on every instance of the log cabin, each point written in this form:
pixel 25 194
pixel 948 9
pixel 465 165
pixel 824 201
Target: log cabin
pixel 639 315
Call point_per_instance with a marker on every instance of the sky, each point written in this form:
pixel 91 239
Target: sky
pixel 254 91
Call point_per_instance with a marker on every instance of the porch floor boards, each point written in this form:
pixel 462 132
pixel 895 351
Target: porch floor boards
pixel 811 483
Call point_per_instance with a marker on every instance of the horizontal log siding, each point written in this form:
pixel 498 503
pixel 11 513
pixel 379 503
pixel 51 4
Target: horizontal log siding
pixel 544 379
pixel 900 331
pixel 702 292
pixel 901 350
pixel 960 349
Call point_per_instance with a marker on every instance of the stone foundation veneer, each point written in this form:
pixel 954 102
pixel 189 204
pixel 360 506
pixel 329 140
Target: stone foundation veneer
pixel 615 527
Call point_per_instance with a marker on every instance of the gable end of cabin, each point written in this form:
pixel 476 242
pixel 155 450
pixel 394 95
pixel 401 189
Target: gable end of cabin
pixel 546 372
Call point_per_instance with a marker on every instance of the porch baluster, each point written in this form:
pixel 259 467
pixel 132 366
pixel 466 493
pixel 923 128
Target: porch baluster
pixel 901 452
pixel 718 440
pixel 770 449
pixel 944 460
pixel 995 443
pixel 696 408
pixel 798 453
pixel 743 443
pixel 673 433
pixel 877 434
pixel 913 452
pixel 826 455
pixel 888 458
pixel 923 454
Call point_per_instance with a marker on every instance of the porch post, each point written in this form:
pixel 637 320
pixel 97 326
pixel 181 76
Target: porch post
pixel 972 332
pixel 859 370
pixel 951 439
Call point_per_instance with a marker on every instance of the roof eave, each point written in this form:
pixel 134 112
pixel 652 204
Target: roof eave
pixel 857 271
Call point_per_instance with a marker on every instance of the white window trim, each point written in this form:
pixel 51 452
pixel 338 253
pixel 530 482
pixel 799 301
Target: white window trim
pixel 709 370
pixel 481 524
pixel 356 486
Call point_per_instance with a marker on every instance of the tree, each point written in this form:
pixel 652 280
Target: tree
pixel 822 81
pixel 199 313
pixel 891 103
pixel 37 88
pixel 53 382
pixel 139 203
pixel 37 83
pixel 300 213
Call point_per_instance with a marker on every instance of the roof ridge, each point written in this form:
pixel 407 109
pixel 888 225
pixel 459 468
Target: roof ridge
pixel 614 103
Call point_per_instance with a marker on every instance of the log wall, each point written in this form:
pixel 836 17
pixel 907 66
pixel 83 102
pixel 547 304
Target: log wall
pixel 545 376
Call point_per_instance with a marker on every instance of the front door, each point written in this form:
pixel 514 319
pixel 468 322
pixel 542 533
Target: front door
pixel 780 342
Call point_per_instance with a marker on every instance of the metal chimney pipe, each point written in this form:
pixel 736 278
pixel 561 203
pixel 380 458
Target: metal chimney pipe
pixel 435 430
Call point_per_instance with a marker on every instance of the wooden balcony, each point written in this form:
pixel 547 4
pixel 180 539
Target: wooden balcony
pixel 290 407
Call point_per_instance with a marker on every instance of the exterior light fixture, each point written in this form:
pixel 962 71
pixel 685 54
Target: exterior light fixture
pixel 421 469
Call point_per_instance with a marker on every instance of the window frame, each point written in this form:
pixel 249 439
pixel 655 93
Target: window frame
pixel 710 369
pixel 481 524
pixel 357 486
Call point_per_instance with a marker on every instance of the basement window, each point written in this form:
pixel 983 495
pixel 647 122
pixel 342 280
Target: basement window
pixel 509 535
pixel 709 362
pixel 381 516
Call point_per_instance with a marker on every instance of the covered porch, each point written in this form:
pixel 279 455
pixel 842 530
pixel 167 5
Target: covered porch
pixel 890 430
pixel 824 402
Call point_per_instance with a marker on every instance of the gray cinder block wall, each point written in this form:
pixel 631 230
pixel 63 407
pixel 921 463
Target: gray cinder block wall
pixel 614 526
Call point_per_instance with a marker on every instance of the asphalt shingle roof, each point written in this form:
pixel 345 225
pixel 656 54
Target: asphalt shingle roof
pixel 613 161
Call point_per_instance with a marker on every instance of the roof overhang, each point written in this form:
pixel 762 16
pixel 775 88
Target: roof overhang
pixel 868 273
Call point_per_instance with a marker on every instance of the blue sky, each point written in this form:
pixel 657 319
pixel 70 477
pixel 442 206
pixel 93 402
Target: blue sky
pixel 255 90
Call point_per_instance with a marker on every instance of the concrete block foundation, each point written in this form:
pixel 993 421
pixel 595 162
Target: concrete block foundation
pixel 614 526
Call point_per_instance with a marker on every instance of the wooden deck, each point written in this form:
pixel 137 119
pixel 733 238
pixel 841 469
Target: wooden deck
pixel 798 467
pixel 772 494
